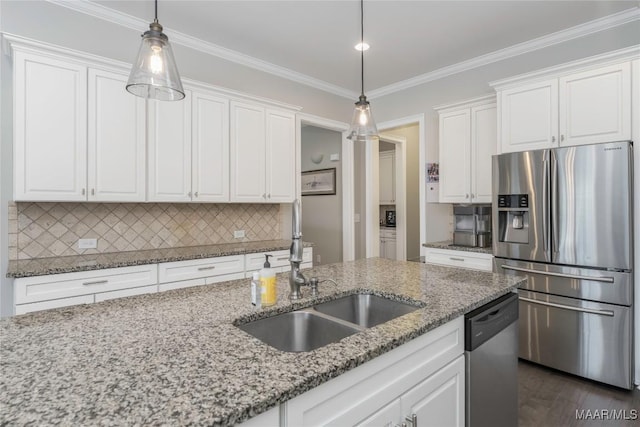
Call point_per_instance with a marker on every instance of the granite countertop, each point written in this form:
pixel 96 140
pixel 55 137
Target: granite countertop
pixel 68 264
pixel 448 244
pixel 176 358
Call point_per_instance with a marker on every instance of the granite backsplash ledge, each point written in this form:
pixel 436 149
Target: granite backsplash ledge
pixel 46 229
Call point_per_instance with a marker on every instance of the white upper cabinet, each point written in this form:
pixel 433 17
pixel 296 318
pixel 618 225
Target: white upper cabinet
pixel 50 129
pixel 484 137
pixel 467 141
pixel 584 107
pixel 529 116
pixel 262 154
pixel 387 178
pixel 280 159
pixel 170 150
pixel 595 106
pixel 210 148
pixel 116 149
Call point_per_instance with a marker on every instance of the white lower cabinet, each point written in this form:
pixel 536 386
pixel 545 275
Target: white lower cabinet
pixel 388 247
pixel 184 274
pixel 424 377
pixel 279 261
pixel 453 258
pixel 60 290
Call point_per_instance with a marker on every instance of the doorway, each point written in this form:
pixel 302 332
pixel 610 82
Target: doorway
pixel 392 196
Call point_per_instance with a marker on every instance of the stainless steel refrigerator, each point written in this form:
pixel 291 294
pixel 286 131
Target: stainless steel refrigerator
pixel 563 218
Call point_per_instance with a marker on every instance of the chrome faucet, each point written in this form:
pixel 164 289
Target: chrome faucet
pixel 296 278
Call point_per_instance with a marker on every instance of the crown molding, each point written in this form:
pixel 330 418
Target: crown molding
pixel 106 14
pixel 597 25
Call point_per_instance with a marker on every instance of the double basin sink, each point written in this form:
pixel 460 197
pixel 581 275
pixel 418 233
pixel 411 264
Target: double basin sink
pixel 314 327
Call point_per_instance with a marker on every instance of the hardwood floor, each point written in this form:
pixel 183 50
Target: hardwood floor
pixel 551 398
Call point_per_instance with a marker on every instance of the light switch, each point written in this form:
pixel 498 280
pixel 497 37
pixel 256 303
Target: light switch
pixel 335 157
pixel 87 243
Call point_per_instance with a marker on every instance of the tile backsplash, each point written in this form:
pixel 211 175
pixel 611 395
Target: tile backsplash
pixel 38 230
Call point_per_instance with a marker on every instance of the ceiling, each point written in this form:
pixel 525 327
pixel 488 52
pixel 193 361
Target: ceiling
pixel 315 40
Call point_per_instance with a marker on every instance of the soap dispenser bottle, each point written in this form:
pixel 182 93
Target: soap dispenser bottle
pixel 268 283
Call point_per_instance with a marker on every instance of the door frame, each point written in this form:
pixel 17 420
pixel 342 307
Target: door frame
pixel 400 165
pixel 348 239
pixel 372 161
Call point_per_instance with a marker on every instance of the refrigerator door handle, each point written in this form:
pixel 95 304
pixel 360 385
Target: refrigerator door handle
pixel 554 205
pixel 568 307
pixel 604 279
pixel 545 207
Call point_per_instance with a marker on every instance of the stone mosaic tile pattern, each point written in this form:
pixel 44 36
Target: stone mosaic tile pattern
pixel 176 358
pixel 69 264
pixel 448 244
pixel 53 229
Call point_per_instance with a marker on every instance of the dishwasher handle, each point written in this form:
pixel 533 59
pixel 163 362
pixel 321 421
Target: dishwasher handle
pixel 489 320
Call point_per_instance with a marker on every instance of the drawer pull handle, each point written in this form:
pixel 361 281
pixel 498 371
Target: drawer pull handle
pixel 609 313
pixel 211 267
pixel 283 258
pixel 97 282
pixel 456 259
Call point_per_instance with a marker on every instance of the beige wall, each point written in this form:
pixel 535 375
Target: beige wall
pixel 322 215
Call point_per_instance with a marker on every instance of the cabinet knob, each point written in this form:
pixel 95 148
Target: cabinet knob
pixel 553 139
pixel 264 196
pixel 93 191
pixel 189 194
pixel 269 196
pixel 466 196
pixel 196 194
pixel 561 138
pixel 472 196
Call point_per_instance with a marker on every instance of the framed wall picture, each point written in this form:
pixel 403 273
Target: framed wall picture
pixel 319 182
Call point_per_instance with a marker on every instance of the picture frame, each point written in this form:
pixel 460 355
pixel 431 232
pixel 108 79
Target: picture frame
pixel 319 182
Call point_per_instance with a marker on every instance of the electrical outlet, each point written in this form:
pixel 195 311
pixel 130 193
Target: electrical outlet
pixel 87 243
pixel 238 234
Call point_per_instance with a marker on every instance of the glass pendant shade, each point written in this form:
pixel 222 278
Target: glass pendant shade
pixel 154 74
pixel 363 127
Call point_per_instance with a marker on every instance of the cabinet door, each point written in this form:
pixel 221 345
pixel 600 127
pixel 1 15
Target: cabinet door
pixel 483 146
pixel 388 415
pixel 390 249
pixel 50 129
pixel 595 106
pixel 170 150
pixel 280 156
pixel 248 153
pixel 455 156
pixel 210 146
pixel 529 116
pixel 116 166
pixel 387 178
pixel 438 400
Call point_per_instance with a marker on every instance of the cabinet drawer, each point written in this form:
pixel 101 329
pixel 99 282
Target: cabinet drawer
pixel 56 286
pixel 387 234
pixel 254 262
pixel 463 259
pixel 55 303
pixel 200 268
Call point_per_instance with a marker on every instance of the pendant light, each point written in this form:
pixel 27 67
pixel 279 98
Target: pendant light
pixel 362 125
pixel 154 74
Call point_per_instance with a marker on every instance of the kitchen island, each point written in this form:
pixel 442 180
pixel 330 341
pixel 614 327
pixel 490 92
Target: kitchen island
pixel 177 358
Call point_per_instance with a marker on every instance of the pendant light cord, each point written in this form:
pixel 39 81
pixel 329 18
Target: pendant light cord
pixel 156 11
pixel 361 45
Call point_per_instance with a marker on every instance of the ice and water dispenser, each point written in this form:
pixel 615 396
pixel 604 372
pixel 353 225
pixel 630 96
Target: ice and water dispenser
pixel 513 218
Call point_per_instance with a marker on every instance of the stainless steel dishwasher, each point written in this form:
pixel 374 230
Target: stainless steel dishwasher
pixel 491 355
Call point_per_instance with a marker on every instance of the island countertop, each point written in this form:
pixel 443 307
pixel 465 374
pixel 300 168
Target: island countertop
pixel 176 357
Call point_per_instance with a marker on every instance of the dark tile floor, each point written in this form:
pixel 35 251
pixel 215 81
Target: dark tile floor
pixel 551 398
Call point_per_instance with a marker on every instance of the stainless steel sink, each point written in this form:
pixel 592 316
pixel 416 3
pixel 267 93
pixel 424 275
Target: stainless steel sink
pixel 365 310
pixel 298 331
